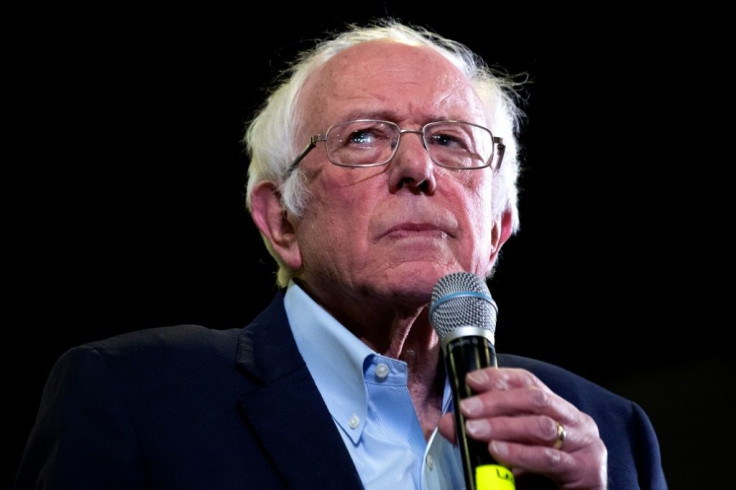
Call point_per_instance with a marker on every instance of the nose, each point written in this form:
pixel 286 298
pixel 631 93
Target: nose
pixel 412 168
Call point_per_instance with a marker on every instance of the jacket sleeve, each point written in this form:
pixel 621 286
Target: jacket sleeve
pixel 647 451
pixel 82 438
pixel 634 459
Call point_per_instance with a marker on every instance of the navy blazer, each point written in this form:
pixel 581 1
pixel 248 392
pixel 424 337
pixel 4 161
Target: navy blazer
pixel 188 407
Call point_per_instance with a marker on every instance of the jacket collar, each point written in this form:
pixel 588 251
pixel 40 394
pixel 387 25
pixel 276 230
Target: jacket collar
pixel 284 409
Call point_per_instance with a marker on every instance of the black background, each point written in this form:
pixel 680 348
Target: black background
pixel 124 178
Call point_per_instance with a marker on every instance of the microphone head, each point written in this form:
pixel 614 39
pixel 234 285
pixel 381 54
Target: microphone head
pixel 460 300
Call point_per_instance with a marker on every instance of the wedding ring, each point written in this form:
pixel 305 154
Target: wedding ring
pixel 561 435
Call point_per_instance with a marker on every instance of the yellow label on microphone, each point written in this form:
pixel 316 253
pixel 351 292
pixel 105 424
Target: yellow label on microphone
pixel 494 477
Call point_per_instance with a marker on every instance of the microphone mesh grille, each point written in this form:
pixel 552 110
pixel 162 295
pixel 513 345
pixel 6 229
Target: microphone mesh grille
pixel 462 299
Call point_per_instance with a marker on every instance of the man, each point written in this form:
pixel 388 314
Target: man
pixel 386 161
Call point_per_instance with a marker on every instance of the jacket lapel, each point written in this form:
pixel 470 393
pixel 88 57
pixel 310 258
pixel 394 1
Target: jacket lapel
pixel 284 409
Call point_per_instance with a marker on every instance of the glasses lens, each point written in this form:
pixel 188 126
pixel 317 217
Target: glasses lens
pixel 362 142
pixel 459 144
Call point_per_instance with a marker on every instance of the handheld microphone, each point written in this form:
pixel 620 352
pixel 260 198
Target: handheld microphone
pixel 463 314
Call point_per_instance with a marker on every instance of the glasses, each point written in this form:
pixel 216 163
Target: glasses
pixel 371 143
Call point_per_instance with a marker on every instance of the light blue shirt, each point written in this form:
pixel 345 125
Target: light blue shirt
pixel 368 398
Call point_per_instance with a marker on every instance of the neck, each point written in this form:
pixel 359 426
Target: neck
pixel 400 330
pixel 416 343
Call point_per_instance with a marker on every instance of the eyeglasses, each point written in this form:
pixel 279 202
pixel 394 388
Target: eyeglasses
pixel 371 143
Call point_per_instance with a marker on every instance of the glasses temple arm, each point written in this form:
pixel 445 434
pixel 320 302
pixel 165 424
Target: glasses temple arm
pixel 312 143
pixel 501 150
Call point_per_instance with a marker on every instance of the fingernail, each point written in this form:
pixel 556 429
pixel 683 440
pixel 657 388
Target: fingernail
pixel 478 376
pixel 471 406
pixel 478 428
pixel 500 448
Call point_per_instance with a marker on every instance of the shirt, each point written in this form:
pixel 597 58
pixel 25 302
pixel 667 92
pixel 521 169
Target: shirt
pixel 367 395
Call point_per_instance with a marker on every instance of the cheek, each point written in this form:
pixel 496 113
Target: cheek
pixel 347 194
pixel 335 217
pixel 337 206
pixel 481 222
pixel 479 210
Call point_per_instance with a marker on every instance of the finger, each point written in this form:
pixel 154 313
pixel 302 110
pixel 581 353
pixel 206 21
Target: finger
pixel 530 430
pixel 446 427
pixel 494 378
pixel 528 416
pixel 535 459
pixel 515 392
pixel 563 467
pixel 518 401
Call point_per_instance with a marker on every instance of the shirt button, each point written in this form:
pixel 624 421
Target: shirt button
pixel 354 421
pixel 381 371
pixel 430 462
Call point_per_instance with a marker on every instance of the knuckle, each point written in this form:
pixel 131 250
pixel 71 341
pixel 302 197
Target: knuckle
pixel 539 399
pixel 498 380
pixel 547 427
pixel 552 458
pixel 588 421
pixel 528 379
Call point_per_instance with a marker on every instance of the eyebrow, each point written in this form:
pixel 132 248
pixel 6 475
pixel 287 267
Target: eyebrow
pixel 389 115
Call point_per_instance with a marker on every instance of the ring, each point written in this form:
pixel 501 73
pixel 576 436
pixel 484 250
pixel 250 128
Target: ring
pixel 561 435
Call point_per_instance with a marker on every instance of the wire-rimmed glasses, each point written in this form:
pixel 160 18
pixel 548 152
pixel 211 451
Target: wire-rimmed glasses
pixel 373 142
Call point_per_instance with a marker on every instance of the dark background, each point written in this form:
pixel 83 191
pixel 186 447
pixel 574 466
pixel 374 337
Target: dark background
pixel 125 176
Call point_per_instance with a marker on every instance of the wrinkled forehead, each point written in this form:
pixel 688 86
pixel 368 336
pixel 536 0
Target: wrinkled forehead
pixel 392 77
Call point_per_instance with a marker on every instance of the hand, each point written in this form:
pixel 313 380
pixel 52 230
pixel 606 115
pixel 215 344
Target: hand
pixel 517 416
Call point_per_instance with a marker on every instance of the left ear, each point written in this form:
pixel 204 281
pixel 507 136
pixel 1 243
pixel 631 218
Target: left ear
pixel 272 220
pixel 500 233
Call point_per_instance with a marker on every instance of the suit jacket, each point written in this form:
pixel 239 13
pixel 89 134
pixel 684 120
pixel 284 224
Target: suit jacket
pixel 189 407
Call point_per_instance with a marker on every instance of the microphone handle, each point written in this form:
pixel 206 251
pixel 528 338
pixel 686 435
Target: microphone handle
pixel 463 355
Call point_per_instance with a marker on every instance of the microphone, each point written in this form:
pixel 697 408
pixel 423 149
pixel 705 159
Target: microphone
pixel 463 314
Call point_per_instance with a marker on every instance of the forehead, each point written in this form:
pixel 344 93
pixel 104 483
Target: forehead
pixel 392 78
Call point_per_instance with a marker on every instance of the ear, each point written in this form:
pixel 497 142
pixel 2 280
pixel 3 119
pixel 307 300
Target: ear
pixel 501 232
pixel 272 220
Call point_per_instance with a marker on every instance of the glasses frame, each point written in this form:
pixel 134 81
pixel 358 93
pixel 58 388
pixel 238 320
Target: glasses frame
pixel 498 145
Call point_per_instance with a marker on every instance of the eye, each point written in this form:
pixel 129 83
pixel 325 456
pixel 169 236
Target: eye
pixel 367 134
pixel 450 139
pixel 361 137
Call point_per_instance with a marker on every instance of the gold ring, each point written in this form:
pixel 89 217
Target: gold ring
pixel 561 436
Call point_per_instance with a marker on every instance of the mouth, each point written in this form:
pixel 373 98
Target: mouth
pixel 418 230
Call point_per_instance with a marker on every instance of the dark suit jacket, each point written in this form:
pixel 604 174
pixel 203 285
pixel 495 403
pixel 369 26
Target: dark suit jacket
pixel 188 407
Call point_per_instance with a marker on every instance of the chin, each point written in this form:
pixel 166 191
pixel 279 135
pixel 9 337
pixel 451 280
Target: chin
pixel 419 277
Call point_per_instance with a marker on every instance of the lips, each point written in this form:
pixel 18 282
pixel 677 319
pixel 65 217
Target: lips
pixel 404 220
pixel 408 228
pixel 437 227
